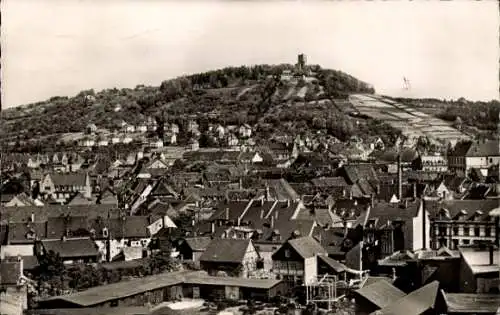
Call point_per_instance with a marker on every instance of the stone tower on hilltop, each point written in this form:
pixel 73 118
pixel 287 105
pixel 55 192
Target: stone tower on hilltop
pixel 301 62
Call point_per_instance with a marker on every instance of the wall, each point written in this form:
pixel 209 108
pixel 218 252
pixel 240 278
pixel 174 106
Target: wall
pixel 467 279
pixel 310 269
pixel 232 293
pixel 250 259
pixel 15 250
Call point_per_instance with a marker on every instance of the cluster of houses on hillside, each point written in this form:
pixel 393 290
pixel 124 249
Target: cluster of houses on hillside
pixel 259 223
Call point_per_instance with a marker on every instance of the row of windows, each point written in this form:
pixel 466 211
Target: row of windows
pixel 466 231
pixel 453 245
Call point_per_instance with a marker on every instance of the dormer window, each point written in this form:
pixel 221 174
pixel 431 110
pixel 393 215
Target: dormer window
pixel 105 232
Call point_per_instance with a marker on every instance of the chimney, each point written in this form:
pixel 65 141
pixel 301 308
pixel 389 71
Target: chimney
pixel 32 217
pixel 405 203
pixel 272 222
pixel 288 203
pixel 492 252
pixel 262 213
pixel 262 202
pixel 227 214
pixel 212 228
pixel 415 190
pixel 372 201
pixel 276 214
pixel 400 179
pixel 241 183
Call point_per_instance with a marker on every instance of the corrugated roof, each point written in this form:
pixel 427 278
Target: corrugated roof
pixel 381 293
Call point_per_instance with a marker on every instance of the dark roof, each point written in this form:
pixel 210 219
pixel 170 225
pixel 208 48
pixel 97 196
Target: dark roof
pixel 71 179
pixel 455 207
pixel 280 189
pixel 471 303
pixel 383 212
pixel 387 191
pixel 335 265
pixel 10 272
pixel 126 310
pixel 162 189
pixel 484 148
pixel 381 293
pixel 226 250
pixel 461 148
pixel 415 303
pixel 306 246
pixel 232 209
pixel 71 247
pixel 355 172
pixel 198 243
pixel 26 232
pixel 23 214
pixel 391 155
pixel 329 182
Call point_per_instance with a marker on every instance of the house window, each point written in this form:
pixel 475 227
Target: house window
pixel 476 231
pixel 466 231
pixel 455 244
pixel 287 253
pixel 466 242
pixel 487 231
pixel 442 230
pixel 455 231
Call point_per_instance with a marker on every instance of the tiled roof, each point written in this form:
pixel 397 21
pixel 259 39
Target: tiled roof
pixel 23 214
pixel 72 179
pixel 69 248
pixel 306 246
pixel 416 303
pixel 26 232
pixel 329 182
pixel 461 148
pixel 454 207
pixel 335 265
pixel 233 210
pixel 381 293
pixel 281 190
pixel 484 149
pixel 198 243
pixel 472 303
pixel 10 271
pixel 226 250
pixel 383 212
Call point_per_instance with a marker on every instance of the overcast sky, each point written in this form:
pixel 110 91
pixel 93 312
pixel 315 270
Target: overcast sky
pixel 60 47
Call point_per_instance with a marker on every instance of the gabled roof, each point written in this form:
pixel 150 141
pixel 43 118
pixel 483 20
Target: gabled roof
pixel 381 293
pixel 226 250
pixel 383 212
pixel 332 263
pixel 162 188
pixel 330 182
pixel 306 246
pixel 198 243
pixel 484 149
pixel 461 148
pixel 415 303
pixel 69 248
pixel 469 207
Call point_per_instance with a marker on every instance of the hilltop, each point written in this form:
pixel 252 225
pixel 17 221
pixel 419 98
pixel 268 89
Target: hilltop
pixel 280 97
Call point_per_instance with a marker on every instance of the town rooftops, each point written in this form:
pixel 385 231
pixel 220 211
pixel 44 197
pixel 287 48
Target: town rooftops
pixel 462 303
pixel 416 303
pixel 383 212
pixel 227 250
pixel 306 246
pixel 478 259
pixel 71 247
pixel 126 310
pixel 24 214
pixel 381 293
pixel 484 149
pixel 72 179
pixel 102 294
pixel 469 208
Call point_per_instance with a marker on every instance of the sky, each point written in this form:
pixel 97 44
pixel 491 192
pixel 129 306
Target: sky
pixel 60 47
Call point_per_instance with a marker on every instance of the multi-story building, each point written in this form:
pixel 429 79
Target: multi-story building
pixel 461 222
pixel 475 155
pixel 434 163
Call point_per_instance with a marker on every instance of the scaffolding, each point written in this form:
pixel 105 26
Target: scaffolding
pixel 324 289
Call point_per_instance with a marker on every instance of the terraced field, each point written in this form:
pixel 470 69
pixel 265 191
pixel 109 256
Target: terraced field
pixel 410 121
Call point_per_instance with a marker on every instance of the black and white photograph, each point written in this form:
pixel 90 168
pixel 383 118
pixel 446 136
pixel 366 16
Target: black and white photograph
pixel 239 157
